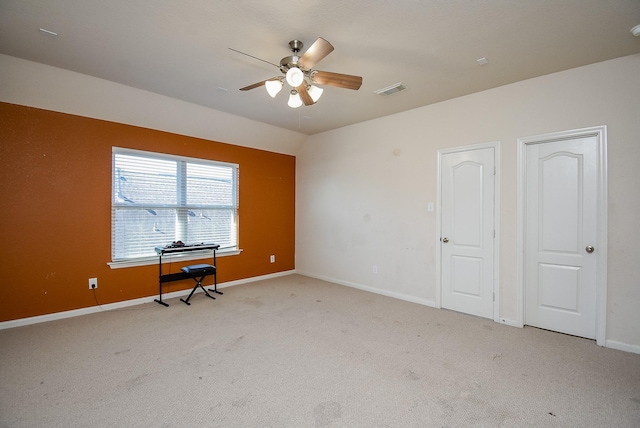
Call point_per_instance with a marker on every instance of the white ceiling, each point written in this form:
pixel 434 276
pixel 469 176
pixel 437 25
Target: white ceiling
pixel 180 49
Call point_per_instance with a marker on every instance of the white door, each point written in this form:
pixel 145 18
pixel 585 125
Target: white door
pixel 467 231
pixel 561 235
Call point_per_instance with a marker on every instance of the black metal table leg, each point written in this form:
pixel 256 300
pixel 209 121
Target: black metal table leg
pixel 159 299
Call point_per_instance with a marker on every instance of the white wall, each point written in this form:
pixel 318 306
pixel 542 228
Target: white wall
pixel 36 85
pixel 362 190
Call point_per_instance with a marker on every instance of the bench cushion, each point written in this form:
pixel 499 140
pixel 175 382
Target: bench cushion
pixel 202 269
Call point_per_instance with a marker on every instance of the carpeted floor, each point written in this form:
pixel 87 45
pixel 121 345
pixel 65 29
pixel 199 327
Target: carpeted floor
pixel 299 352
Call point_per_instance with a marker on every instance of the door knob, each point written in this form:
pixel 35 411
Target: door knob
pixel 445 240
pixel 589 249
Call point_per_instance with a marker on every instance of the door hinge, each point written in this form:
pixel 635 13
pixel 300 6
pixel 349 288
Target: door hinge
pixel 494 233
pixel 495 170
pixel 494 297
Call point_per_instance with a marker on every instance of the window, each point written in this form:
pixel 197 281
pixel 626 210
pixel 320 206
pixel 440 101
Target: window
pixel 158 199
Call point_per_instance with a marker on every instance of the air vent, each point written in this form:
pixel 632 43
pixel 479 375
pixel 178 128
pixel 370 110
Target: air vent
pixel 389 90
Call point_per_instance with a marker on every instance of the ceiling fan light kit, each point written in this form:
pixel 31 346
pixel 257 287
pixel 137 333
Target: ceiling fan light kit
pixel 299 74
pixel 295 77
pixel 273 87
pixel 294 99
pixel 315 92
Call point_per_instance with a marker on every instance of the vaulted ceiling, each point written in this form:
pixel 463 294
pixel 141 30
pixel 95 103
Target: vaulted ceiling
pixel 181 49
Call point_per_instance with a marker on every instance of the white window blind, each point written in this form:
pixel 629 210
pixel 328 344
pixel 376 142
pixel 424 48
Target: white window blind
pixel 158 199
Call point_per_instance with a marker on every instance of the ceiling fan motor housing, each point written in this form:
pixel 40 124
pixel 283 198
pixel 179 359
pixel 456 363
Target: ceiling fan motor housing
pixel 291 61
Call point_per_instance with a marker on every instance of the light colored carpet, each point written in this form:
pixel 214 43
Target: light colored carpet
pixel 299 352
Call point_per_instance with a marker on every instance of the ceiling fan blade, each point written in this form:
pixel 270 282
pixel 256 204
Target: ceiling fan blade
pixel 318 50
pixel 346 81
pixel 254 57
pixel 304 95
pixel 257 85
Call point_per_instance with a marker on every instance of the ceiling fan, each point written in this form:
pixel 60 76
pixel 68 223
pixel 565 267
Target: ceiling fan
pixel 299 73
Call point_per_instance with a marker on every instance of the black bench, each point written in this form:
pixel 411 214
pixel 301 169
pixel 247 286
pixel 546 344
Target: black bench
pixel 198 273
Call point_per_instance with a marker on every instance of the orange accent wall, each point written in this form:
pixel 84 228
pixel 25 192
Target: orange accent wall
pixel 55 188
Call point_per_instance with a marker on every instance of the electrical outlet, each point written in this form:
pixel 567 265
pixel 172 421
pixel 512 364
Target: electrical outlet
pixel 272 259
pixel 93 283
pixel 375 270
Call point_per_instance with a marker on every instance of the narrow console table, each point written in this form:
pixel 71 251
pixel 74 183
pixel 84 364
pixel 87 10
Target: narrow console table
pixel 197 272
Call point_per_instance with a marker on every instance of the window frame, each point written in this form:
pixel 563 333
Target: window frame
pixel 180 206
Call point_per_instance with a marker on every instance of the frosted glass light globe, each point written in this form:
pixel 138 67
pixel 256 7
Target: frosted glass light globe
pixel 294 99
pixel 273 87
pixel 295 77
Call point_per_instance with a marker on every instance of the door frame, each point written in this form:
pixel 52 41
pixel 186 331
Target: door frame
pixel 600 132
pixel 496 219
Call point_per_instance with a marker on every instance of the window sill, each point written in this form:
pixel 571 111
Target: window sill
pixel 153 260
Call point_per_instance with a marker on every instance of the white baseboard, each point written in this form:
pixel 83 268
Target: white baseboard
pixel 399 296
pixel 622 346
pixel 413 299
pixel 506 321
pixel 613 344
pixel 110 306
pixel 510 323
pixel 256 278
